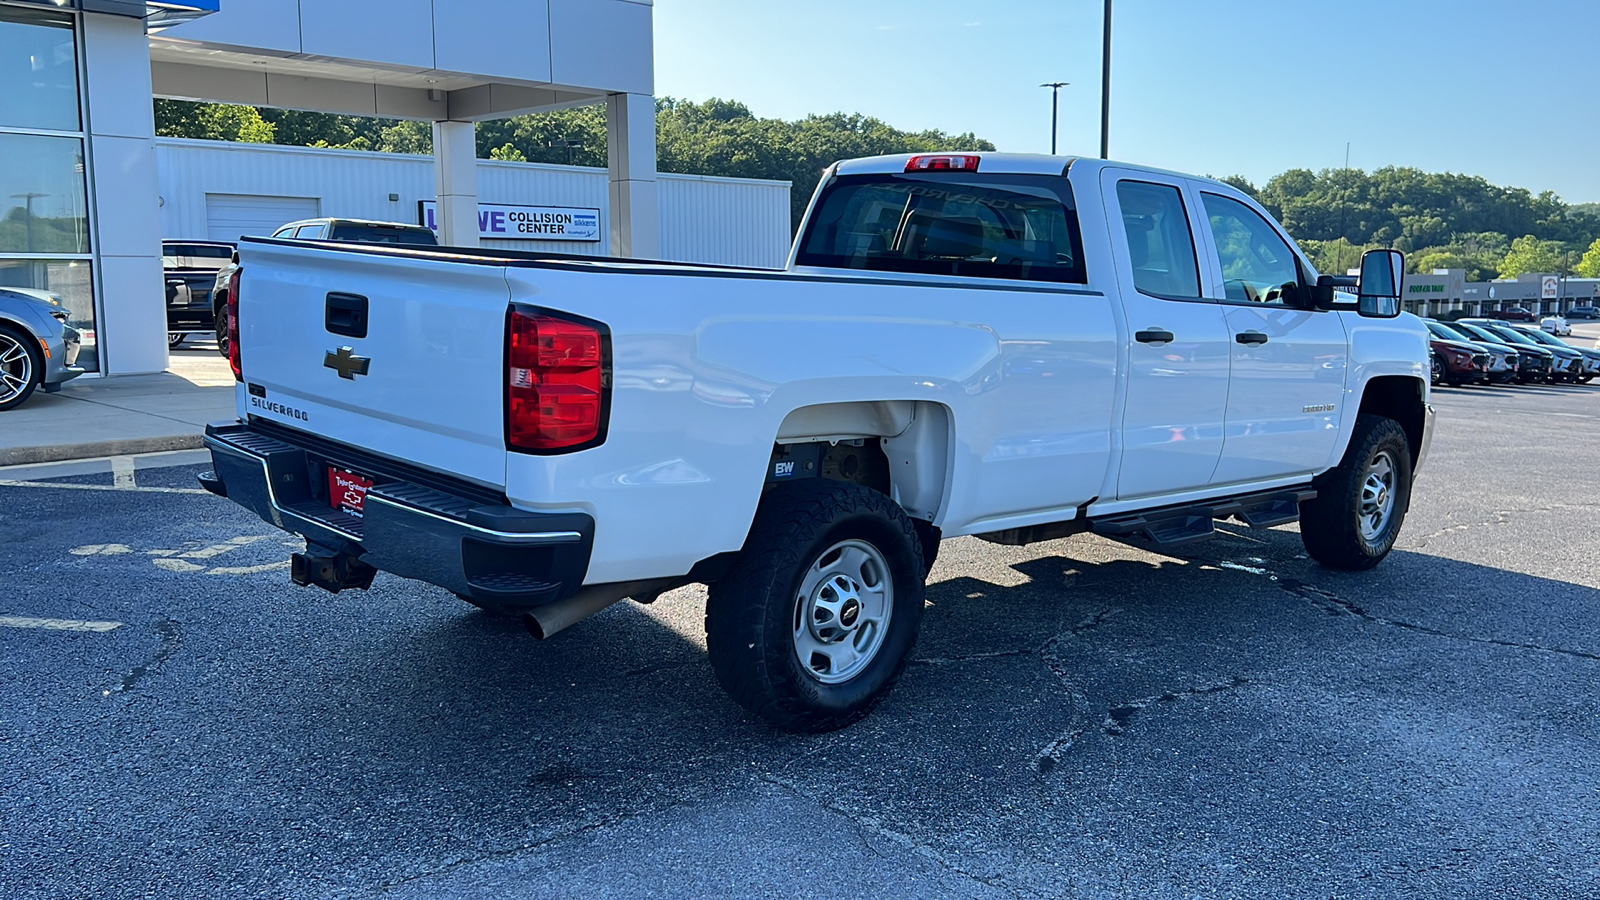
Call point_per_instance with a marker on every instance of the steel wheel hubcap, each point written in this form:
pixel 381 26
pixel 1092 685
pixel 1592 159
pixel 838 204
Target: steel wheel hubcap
pixel 842 611
pixel 1377 496
pixel 16 368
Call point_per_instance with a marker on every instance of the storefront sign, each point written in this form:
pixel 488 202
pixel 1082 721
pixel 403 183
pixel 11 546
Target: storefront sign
pixel 1549 287
pixel 502 221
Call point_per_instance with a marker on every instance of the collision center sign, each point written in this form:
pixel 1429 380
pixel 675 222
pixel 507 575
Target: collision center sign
pixel 503 221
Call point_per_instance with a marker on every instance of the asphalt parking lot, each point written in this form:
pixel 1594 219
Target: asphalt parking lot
pixel 1082 718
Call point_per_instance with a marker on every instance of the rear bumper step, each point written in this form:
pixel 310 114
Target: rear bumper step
pixel 491 552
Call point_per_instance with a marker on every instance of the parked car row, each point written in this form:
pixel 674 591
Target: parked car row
pixel 1490 351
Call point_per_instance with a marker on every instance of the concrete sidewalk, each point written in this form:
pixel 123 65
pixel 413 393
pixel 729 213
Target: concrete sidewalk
pixel 94 417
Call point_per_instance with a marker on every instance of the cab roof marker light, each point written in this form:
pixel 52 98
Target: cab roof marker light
pixel 943 163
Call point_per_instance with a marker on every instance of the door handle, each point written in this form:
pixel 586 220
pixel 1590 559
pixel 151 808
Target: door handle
pixel 1154 336
pixel 1250 337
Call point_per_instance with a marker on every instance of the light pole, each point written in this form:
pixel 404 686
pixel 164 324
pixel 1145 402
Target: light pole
pixel 1055 106
pixel 1105 88
pixel 563 142
pixel 28 199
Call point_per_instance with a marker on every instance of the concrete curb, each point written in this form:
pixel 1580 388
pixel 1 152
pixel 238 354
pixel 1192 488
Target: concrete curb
pixel 22 456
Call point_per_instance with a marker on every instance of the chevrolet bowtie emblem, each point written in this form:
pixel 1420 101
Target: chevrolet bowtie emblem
pixel 347 363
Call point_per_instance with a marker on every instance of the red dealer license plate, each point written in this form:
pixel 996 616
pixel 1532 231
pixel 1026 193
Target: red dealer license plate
pixel 347 491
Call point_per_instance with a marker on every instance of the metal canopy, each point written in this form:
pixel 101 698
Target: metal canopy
pixel 157 14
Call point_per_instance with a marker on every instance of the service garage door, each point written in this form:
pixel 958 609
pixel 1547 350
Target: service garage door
pixel 230 215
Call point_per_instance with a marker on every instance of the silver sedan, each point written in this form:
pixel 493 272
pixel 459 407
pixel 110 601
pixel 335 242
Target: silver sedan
pixel 37 346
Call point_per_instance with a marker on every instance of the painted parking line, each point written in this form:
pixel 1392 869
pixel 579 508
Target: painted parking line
pixel 101 465
pixel 57 624
pixel 122 473
pixel 100 487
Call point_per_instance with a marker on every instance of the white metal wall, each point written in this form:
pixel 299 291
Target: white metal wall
pixel 726 221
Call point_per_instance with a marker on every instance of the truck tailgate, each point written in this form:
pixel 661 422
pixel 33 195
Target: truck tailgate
pixel 431 389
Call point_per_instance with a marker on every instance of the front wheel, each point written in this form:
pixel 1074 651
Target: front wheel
pixel 1356 516
pixel 21 368
pixel 1437 374
pixel 813 624
pixel 174 338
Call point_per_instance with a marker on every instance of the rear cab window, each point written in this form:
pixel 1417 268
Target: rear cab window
pixel 1021 227
pixel 374 233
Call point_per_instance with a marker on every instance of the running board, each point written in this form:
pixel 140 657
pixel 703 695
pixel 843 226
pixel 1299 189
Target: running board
pixel 1177 525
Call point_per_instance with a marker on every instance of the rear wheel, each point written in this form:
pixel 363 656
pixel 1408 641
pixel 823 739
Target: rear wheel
pixel 174 338
pixel 812 625
pixel 1360 505
pixel 21 369
pixel 222 329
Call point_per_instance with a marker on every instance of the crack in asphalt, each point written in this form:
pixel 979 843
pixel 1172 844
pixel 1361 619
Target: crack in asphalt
pixel 1043 650
pixel 1118 717
pixel 969 657
pixel 866 828
pixel 171 633
pixel 1500 517
pixel 1334 605
pixel 1044 762
pixel 579 831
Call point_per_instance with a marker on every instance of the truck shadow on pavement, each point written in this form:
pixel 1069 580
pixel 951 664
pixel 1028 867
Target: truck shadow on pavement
pixel 1094 641
pixel 1239 670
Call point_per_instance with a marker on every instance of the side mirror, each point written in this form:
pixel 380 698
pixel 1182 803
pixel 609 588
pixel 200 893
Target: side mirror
pixel 1382 274
pixel 1326 295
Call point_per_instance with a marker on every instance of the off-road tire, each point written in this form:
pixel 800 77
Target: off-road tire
pixel 1330 524
pixel 750 612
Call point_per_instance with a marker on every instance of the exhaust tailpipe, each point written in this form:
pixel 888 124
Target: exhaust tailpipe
pixel 543 621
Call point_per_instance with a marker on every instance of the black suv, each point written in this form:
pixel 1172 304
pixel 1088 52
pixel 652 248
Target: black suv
pixel 191 270
pixel 357 231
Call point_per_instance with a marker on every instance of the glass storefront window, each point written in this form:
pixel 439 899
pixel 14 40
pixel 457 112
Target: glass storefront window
pixel 67 280
pixel 38 71
pixel 43 206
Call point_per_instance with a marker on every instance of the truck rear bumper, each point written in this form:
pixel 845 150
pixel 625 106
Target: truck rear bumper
pixel 444 532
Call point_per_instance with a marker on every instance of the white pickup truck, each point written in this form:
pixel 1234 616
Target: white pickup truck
pixel 1009 346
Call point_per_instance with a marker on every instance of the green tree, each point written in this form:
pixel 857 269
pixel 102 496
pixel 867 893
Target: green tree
pixel 213 122
pixel 1589 266
pixel 1434 258
pixel 1530 254
pixel 1244 186
pixel 507 153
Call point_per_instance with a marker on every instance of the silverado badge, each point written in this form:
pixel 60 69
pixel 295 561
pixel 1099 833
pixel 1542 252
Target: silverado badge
pixel 347 363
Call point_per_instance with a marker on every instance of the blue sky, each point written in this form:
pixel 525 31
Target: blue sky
pixel 1220 87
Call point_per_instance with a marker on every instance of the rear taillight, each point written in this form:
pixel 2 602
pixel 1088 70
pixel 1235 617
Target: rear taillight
pixel 943 163
pixel 555 377
pixel 233 325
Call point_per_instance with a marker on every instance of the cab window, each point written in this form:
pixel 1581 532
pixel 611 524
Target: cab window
pixel 1258 265
pixel 976 225
pixel 1160 242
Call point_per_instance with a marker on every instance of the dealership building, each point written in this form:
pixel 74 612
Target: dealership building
pixel 87 191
